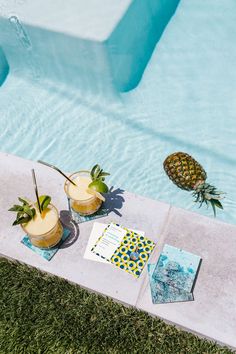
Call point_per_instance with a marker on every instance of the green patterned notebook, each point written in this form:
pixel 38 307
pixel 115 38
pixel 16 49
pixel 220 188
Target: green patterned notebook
pixel 117 245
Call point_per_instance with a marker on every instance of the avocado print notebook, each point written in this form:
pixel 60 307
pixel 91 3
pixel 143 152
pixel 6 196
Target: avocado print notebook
pixel 117 245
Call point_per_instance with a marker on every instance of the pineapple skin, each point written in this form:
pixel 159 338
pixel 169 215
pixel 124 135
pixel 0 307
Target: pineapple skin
pixel 184 171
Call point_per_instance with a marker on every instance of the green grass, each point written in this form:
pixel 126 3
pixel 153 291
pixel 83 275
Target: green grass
pixel 44 314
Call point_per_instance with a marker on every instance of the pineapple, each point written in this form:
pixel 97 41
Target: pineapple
pixel 188 174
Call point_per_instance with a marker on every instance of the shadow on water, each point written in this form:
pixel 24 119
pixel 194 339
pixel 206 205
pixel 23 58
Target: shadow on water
pixel 4 67
pixel 116 111
pixel 114 201
pixel 67 222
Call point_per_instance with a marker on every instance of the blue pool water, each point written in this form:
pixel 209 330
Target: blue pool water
pixel 186 101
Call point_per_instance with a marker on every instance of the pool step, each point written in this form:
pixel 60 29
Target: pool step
pixel 95 46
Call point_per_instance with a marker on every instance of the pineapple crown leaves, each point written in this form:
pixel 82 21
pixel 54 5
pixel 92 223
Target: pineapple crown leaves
pixel 26 211
pixel 97 173
pixel 208 194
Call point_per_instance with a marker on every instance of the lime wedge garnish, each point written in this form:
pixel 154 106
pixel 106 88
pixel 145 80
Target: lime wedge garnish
pixel 98 186
pixel 97 194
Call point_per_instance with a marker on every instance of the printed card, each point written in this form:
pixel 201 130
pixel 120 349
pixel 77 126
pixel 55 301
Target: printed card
pixel 124 248
pixel 109 242
pixel 96 233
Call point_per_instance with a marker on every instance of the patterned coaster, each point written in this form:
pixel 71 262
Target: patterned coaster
pixel 46 253
pixel 80 219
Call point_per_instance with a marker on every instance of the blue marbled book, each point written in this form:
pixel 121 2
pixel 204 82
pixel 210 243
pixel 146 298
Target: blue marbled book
pixel 177 268
pixel 172 278
pixel 163 293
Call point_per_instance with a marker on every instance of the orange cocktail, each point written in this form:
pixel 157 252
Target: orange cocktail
pixel 44 229
pixel 80 199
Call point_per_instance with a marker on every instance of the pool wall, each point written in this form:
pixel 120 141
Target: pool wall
pixel 131 44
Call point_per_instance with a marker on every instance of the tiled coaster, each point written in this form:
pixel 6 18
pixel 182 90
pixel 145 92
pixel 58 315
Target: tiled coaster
pixel 46 253
pixel 79 219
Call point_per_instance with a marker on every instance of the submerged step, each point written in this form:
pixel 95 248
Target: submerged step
pixel 95 45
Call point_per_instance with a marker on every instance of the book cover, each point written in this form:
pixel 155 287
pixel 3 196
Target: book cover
pixel 163 292
pixel 177 268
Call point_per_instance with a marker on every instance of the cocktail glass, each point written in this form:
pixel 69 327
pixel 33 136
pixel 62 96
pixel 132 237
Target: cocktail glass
pixel 80 201
pixel 44 230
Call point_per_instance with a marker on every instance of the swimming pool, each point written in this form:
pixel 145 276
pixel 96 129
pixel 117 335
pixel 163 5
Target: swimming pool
pixel 185 101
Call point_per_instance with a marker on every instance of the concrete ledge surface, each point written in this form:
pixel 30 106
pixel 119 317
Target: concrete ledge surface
pixel 213 312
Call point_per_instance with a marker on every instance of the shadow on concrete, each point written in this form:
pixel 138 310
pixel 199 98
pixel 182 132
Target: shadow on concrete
pixel 114 201
pixel 195 280
pixel 67 222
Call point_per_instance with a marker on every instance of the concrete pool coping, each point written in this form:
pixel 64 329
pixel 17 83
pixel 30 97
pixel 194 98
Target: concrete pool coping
pixel 213 312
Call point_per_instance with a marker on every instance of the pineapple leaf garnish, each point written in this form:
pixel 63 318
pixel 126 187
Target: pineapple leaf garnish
pixel 21 220
pixel 97 173
pixel 98 177
pixel 27 211
pixel 22 200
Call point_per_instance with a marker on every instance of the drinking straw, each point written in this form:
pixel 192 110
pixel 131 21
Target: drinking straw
pixel 36 190
pixel 57 169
